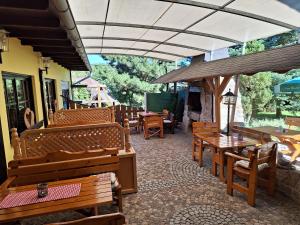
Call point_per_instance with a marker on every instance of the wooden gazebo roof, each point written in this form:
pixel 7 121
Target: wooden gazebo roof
pixel 276 60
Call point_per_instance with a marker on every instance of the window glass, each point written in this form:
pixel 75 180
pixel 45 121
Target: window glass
pixel 18 94
pixel 10 91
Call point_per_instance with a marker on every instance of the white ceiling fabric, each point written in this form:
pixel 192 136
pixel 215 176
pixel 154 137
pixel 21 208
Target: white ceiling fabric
pixel 171 30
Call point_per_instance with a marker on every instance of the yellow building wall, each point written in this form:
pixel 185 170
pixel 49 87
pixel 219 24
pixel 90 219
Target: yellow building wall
pixel 22 60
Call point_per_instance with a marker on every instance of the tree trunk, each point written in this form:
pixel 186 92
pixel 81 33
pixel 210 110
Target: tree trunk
pixel 278 109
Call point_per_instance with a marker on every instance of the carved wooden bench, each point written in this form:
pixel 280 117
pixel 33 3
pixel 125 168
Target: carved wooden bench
pixel 38 143
pixel 62 165
pixel 81 116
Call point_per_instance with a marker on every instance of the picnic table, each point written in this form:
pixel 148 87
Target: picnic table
pixel 221 143
pixel 95 191
pixel 289 137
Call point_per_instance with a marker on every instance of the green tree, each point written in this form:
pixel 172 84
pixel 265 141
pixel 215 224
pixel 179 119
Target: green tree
pixel 256 93
pixel 129 77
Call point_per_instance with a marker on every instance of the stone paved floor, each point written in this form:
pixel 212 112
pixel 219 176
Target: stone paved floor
pixel 173 190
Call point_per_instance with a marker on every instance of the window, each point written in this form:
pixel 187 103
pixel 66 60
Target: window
pixel 18 96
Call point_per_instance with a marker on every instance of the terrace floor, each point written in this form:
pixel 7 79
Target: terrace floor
pixel 174 190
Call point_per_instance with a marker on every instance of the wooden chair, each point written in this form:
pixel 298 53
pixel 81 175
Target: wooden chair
pixel 109 219
pixel 165 113
pixel 153 125
pixel 203 128
pixel 170 122
pixel 133 120
pixel 258 168
pixel 62 165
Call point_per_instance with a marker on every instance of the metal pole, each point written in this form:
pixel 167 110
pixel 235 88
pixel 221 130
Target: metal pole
pixel 228 112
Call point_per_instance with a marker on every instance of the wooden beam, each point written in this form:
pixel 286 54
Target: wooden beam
pixel 25 4
pixel 210 83
pixel 224 83
pixel 217 102
pixel 46 43
pixel 55 49
pixel 29 33
pixel 11 19
pixel 60 55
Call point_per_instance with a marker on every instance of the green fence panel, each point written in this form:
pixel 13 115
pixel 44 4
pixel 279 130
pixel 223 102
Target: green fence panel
pixel 156 102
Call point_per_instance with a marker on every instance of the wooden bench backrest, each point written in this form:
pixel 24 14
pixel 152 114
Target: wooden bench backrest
pixel 81 116
pixel 62 165
pixel 292 121
pixel 248 132
pixel 203 127
pixel 33 143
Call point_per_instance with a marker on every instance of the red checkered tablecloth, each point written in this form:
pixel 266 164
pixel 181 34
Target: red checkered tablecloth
pixel 30 197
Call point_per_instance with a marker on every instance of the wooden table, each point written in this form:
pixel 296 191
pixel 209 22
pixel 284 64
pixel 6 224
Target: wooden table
pixel 93 193
pixel 289 137
pixel 220 144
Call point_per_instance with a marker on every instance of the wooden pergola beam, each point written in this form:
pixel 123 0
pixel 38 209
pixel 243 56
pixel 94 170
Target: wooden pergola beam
pixel 224 83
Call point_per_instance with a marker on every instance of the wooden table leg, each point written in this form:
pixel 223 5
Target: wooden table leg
pixel 214 162
pixel 221 161
pixel 200 153
pixel 96 211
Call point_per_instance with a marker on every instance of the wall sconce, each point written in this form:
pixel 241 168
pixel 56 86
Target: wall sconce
pixel 44 64
pixel 3 42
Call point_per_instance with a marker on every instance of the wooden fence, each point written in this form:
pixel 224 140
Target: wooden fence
pixel 123 111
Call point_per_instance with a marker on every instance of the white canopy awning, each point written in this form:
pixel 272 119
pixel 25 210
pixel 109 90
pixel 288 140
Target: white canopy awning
pixel 173 29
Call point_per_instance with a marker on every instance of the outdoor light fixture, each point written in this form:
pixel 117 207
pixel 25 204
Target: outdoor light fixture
pixel 229 99
pixel 44 64
pixel 3 43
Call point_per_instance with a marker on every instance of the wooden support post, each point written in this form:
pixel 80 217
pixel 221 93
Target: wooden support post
pixel 217 102
pixel 112 110
pixel 210 83
pixel 15 140
pixel 127 135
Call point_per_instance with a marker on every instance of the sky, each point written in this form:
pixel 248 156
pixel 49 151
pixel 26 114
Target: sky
pixel 96 59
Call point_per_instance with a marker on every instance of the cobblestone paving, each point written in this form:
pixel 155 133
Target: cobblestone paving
pixel 174 190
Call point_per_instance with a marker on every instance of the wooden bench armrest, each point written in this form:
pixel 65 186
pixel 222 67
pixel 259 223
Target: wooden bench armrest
pixel 236 157
pixel 4 186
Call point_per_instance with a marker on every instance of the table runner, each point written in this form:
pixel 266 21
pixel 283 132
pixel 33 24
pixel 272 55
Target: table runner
pixel 30 197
